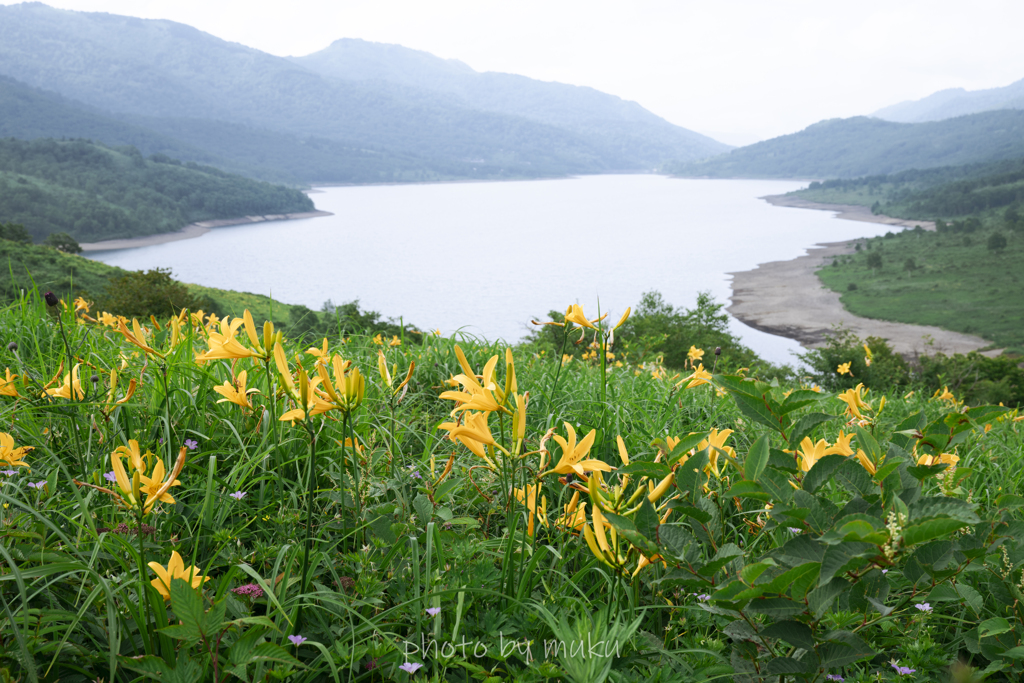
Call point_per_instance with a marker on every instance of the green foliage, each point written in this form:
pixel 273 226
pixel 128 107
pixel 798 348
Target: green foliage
pixel 887 369
pixel 862 146
pixel 92 192
pixel 139 294
pixel 61 241
pixel 955 285
pixel 15 233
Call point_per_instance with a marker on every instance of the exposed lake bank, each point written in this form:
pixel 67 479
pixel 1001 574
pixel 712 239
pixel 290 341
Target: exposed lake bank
pixel 786 297
pixel 192 230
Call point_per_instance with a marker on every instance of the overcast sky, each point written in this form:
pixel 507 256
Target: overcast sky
pixel 738 70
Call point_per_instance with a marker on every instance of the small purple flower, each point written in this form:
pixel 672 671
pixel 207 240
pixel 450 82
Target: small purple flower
pixel 433 611
pixel 237 495
pixel 924 606
pixel 297 640
pixel 410 667
pixel 9 473
pixel 191 444
pixel 249 590
pixel 160 441
pixel 37 484
pixel 834 677
pixel 902 670
pixel 885 571
pixel 794 530
pixel 703 597
pixel 415 475
pixel 110 476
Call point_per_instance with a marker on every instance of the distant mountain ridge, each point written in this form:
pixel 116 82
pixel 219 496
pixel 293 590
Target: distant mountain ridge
pixel 862 146
pixel 953 102
pixel 582 110
pixel 177 81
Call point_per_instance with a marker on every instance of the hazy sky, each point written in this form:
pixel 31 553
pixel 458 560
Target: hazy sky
pixel 739 70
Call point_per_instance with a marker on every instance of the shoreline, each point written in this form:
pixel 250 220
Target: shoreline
pixel 786 298
pixel 192 230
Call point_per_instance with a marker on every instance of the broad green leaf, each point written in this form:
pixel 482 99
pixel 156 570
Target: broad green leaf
pixel 993 627
pixel 866 441
pixel 795 633
pixel 922 472
pixel 750 572
pixel 686 444
pixel 800 398
pixel 821 598
pixel 757 458
pixel 785 665
pixel 690 476
pixel 983 414
pixel 424 508
pixel 792 579
pixel 747 489
pixel 775 607
pixel 187 606
pixel 822 471
pixel 931 529
pixel 805 425
pixel 647 520
pixel 843 557
pixel 675 538
pixel 935 506
pixel 1008 501
pixel 758 409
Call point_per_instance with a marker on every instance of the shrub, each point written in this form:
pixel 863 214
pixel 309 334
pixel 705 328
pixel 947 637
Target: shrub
pixel 142 294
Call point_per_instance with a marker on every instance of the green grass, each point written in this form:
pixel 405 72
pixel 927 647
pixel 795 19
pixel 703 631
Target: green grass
pixel 963 288
pixel 416 521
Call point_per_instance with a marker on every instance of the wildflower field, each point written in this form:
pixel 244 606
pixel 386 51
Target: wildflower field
pixel 196 499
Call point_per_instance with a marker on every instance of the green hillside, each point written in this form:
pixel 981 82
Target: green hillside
pixel 861 146
pixel 94 192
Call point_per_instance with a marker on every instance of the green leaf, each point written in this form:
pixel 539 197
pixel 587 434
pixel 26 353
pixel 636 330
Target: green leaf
pixel 785 665
pixel 993 627
pixel 1008 501
pixel 805 425
pixel 750 572
pixel 866 441
pixel 747 489
pixel 187 606
pixel 690 476
pixel 381 526
pixel 922 472
pixel 852 476
pixel 843 557
pixel 793 579
pixel 424 508
pixel 822 471
pixel 800 398
pixel 1014 653
pixel 983 414
pixel 933 528
pixel 885 470
pixel 758 409
pixel 654 470
pixel 647 520
pixel 793 632
pixel 821 598
pixel 675 538
pixel 775 607
pixel 686 444
pixel 757 458
pixel 776 484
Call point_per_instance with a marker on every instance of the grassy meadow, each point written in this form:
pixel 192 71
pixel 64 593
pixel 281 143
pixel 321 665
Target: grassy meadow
pixel 193 499
pixel 952 279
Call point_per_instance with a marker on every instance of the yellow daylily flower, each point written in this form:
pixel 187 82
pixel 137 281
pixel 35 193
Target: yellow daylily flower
pixel 866 462
pixel 528 498
pixel 71 389
pixel 347 391
pixel 11 456
pixel 175 570
pixel 811 453
pixel 944 395
pixel 950 459
pixel 137 336
pixel 574 517
pixel 844 369
pixel 235 392
pixel 573 454
pixel 695 355
pixel 322 356
pixel 868 356
pixel 156 486
pixel 574 314
pixel 7 387
pixel 700 376
pixel 223 345
pixel 474 433
pixel 715 443
pixel 854 400
pixel 842 446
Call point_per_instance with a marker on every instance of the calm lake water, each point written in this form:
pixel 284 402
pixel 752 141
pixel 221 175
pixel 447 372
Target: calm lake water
pixel 486 258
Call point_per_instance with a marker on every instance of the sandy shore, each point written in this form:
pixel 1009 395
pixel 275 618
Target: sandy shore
pixel 787 298
pixel 193 230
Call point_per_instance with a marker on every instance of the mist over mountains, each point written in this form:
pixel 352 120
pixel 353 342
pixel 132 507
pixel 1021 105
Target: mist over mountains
pixel 355 112
pixel 953 102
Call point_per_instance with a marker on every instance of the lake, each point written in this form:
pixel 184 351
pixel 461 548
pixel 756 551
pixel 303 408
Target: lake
pixel 488 257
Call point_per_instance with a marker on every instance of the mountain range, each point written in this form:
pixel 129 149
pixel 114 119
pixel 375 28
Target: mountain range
pixel 954 102
pixel 863 146
pixel 354 112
